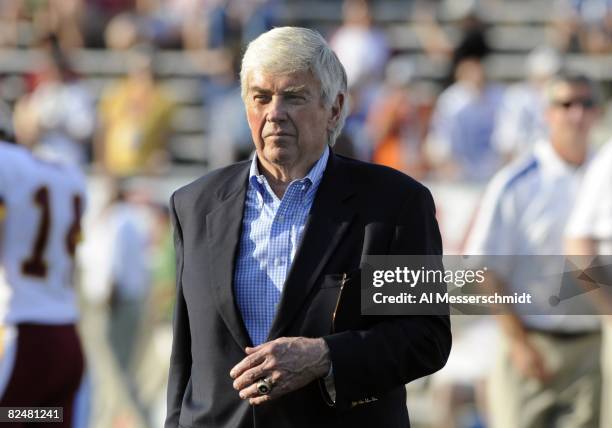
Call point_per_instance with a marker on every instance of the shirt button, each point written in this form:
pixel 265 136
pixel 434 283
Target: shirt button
pixel 278 261
pixel 281 218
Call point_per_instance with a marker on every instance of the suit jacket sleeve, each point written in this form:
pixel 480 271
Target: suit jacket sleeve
pixel 180 360
pixel 395 350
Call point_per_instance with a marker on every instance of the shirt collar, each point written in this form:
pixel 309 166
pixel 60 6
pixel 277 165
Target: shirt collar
pixel 555 163
pixel 310 182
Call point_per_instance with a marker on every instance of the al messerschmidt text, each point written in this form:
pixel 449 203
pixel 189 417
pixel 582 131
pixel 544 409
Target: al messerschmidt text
pixel 473 299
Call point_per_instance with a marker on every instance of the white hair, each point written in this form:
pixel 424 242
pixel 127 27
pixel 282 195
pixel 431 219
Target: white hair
pixel 285 50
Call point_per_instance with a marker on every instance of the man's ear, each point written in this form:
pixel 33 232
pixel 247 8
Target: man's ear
pixel 336 111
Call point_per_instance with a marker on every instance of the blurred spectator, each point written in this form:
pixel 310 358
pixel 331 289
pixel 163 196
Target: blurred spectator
pixel 354 133
pixel 210 27
pixel 459 389
pixel 163 266
pixel 547 372
pixel 153 355
pixel 25 23
pixel 97 15
pixel 10 18
pixel 434 41
pixel 589 232
pixel 117 276
pixel 255 17
pixel 438 42
pixel 135 121
pixel 63 18
pixel 199 24
pixel 584 25
pixel 363 50
pixel 6 123
pixel 122 32
pixel 130 224
pixel 520 120
pixel 473 40
pixel 459 143
pixel 398 120
pixel 229 137
pixel 590 228
pixel 62 115
pixel 130 273
pixel 164 20
pixel 361 47
pixel 229 23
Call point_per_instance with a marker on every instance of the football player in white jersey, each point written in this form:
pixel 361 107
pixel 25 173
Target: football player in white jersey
pixel 41 203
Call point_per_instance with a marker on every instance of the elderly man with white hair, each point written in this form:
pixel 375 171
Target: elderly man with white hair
pixel 268 330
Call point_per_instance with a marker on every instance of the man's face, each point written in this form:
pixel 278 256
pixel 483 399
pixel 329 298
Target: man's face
pixel 288 119
pixel 571 113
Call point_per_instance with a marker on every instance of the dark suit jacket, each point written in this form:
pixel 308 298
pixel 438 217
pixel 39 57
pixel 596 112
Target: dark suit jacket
pixel 359 209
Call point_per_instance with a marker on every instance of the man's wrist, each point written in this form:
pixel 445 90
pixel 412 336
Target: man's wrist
pixel 323 364
pixel 327 381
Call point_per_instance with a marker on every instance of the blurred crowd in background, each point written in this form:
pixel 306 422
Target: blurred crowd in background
pixel 145 95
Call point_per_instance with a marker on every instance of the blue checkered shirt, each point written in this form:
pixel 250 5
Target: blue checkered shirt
pixel 271 232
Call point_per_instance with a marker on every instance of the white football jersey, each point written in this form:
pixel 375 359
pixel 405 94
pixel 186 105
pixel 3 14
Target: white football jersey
pixel 41 203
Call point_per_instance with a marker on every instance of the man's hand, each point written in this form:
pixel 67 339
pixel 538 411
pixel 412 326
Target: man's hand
pixel 288 362
pixel 528 360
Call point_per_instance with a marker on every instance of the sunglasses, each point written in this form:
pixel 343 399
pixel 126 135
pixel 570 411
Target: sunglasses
pixel 586 103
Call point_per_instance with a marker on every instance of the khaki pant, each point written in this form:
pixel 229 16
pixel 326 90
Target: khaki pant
pixel 571 399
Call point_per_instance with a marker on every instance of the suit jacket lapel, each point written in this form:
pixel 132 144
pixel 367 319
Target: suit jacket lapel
pixel 328 221
pixel 223 228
